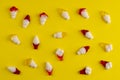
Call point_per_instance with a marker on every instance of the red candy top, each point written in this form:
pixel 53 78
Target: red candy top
pixel 43 14
pixel 27 17
pixel 84 31
pixel 80 10
pixel 87 47
pixel 13 8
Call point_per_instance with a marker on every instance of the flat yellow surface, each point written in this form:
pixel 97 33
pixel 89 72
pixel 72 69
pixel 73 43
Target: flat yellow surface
pixel 15 55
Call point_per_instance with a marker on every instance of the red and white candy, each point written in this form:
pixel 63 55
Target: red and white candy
pixel 49 68
pixel 59 35
pixel 26 21
pixel 15 39
pixel 31 63
pixel 83 12
pixel 13 12
pixel 36 42
pixel 65 14
pixel 87 34
pixel 106 17
pixel 14 70
pixel 43 18
pixel 83 50
pixel 86 71
pixel 106 64
pixel 60 54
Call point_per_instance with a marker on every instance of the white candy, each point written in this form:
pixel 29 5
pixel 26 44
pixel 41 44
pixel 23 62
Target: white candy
pixel 11 69
pixel 48 67
pixel 85 14
pixel 88 70
pixel 59 52
pixel 36 40
pixel 65 15
pixel 25 23
pixel 81 51
pixel 43 19
pixel 107 18
pixel 15 39
pixel 32 64
pixel 89 35
pixel 13 14
pixel 108 48
pixel 108 65
pixel 58 35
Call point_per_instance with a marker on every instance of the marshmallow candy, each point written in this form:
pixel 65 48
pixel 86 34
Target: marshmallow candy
pixel 14 70
pixel 83 50
pixel 60 54
pixel 106 17
pixel 59 35
pixel 26 21
pixel 31 63
pixel 36 42
pixel 86 71
pixel 87 34
pixel 108 47
pixel 65 14
pixel 83 12
pixel 15 39
pixel 49 68
pixel 43 18
pixel 13 12
pixel 106 64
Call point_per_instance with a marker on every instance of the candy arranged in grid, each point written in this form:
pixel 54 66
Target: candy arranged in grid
pixel 59 52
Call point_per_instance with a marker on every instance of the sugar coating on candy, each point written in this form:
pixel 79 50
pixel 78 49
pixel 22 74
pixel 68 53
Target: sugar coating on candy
pixel 83 12
pixel 59 52
pixel 87 34
pixel 31 63
pixel 26 21
pixel 59 35
pixel 13 69
pixel 65 15
pixel 15 39
pixel 13 12
pixel 49 68
pixel 43 18
pixel 108 47
pixel 36 42
pixel 83 50
pixel 86 71
pixel 107 65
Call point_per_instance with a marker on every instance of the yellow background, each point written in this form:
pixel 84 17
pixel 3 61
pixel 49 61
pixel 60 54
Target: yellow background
pixel 14 55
